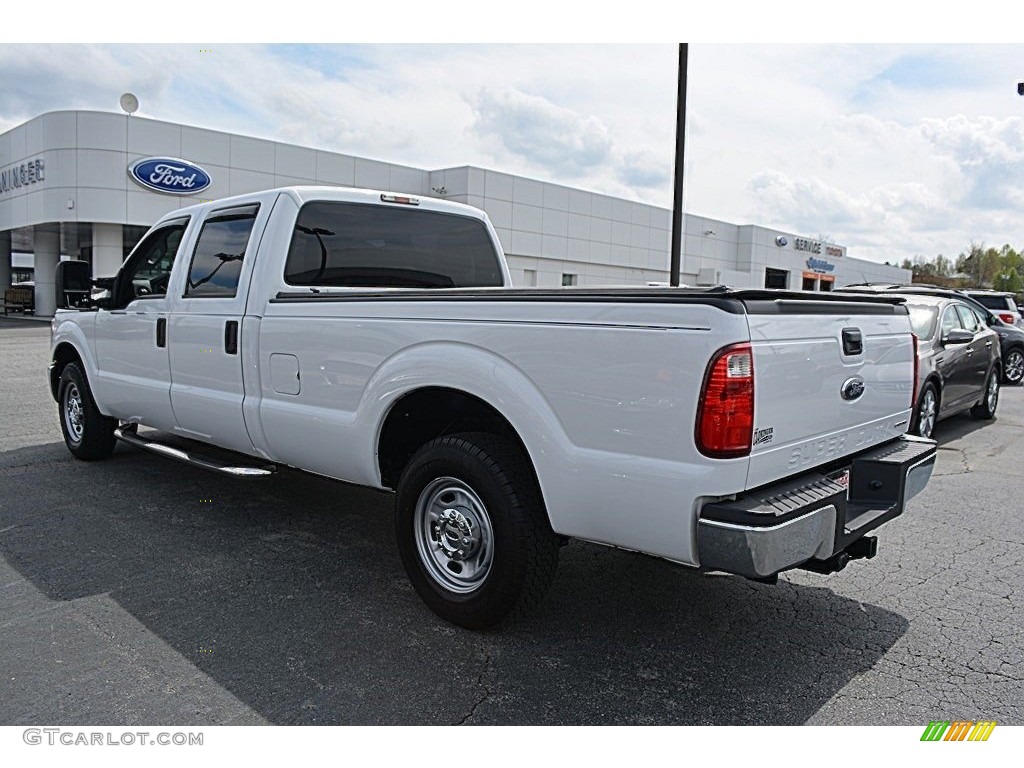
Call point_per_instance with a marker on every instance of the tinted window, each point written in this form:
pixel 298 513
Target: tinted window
pixel 992 302
pixel 922 320
pixel 149 266
pixel 348 244
pixel 968 318
pixel 220 250
pixel 950 320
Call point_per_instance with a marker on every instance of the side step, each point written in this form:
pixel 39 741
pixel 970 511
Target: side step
pixel 130 436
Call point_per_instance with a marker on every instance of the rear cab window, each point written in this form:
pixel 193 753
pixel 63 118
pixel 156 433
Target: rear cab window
pixel 344 244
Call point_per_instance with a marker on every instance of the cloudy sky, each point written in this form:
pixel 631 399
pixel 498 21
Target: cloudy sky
pixel 892 150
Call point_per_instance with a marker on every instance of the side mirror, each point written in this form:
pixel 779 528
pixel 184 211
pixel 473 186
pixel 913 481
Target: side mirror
pixel 73 283
pixel 958 336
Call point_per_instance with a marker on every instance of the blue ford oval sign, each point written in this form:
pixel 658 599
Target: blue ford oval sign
pixel 170 175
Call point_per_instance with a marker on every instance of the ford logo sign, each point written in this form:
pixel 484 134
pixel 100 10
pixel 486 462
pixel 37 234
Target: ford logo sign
pixel 781 241
pixel 852 388
pixel 169 175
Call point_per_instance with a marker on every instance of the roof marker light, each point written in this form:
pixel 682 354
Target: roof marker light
pixel 403 199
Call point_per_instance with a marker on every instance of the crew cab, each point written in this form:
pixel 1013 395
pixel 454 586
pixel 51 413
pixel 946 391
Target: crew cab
pixel 373 338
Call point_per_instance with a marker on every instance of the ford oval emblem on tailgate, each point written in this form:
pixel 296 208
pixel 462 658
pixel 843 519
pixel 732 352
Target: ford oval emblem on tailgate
pixel 852 388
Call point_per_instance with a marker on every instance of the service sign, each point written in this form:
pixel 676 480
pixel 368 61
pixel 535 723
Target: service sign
pixel 169 175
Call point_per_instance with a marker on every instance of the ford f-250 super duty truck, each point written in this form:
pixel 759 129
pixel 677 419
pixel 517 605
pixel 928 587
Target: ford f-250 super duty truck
pixel 373 338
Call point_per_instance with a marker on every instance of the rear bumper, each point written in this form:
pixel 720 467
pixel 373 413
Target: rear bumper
pixel 814 516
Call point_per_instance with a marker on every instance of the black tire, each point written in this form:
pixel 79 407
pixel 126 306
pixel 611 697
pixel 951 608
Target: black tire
pixel 1013 367
pixel 88 434
pixel 986 407
pixel 481 486
pixel 926 414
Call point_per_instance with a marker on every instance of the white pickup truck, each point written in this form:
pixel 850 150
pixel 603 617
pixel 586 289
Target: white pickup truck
pixel 374 338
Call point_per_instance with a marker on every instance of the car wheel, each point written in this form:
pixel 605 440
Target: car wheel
pixel 927 413
pixel 1013 367
pixel 88 434
pixel 472 530
pixel 986 408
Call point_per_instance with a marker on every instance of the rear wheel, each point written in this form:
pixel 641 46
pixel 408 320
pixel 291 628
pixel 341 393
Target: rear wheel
pixel 88 434
pixel 986 408
pixel 1013 367
pixel 472 530
pixel 927 412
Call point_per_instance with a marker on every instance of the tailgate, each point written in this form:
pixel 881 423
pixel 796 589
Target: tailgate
pixel 831 378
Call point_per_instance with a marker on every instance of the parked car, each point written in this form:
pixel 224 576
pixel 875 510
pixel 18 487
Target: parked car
pixel 1003 304
pixel 1011 337
pixel 959 365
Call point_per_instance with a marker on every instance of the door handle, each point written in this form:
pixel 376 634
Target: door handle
pixel 161 331
pixel 231 337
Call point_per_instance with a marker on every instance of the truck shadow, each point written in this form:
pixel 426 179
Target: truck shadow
pixel 296 585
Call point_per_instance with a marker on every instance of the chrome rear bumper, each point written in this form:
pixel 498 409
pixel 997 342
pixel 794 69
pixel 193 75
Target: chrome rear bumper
pixel 815 516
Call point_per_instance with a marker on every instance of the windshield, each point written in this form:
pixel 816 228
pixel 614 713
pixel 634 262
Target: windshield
pixel 922 320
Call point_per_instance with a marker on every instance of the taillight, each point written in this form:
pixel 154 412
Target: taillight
pixel 913 392
pixel 1007 318
pixel 725 414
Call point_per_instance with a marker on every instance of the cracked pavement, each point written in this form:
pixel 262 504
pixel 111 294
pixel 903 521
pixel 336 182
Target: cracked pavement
pixel 125 600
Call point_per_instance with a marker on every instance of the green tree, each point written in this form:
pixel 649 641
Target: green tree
pixel 1008 281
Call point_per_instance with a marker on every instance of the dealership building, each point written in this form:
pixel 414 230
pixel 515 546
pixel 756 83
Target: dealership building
pixel 86 185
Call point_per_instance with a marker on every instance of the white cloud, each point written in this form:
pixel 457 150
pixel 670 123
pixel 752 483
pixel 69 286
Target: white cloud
pixel 893 150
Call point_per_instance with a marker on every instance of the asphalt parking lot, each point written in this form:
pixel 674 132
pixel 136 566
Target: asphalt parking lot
pixel 140 591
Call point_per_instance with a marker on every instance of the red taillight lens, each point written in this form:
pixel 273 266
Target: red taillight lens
pixel 1007 318
pixel 913 392
pixel 725 414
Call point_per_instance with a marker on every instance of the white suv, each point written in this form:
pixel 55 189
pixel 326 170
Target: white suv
pixel 1003 305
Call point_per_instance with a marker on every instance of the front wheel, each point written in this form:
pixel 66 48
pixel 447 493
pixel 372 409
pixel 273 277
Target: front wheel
pixel 472 530
pixel 1013 367
pixel 88 434
pixel 986 407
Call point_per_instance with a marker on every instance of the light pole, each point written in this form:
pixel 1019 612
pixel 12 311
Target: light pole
pixel 677 204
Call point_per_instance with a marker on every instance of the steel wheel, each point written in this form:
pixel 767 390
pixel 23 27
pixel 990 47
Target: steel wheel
pixel 454 537
pixel 927 412
pixel 74 416
pixel 1014 366
pixel 88 434
pixel 472 529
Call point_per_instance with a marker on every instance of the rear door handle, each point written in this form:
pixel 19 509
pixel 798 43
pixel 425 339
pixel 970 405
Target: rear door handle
pixel 161 331
pixel 231 337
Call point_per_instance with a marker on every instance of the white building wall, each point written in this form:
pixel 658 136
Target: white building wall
pixel 546 229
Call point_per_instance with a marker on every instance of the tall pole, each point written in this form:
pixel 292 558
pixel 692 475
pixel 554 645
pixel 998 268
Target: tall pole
pixel 677 204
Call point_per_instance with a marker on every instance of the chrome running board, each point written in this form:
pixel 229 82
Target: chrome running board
pixel 130 436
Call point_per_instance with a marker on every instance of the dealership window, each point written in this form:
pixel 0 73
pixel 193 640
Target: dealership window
pixel 826 285
pixel 568 279
pixel 810 283
pixel 217 260
pixel 776 278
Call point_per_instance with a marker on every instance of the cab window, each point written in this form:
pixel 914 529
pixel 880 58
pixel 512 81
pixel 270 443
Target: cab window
pixel 147 272
pixel 220 249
